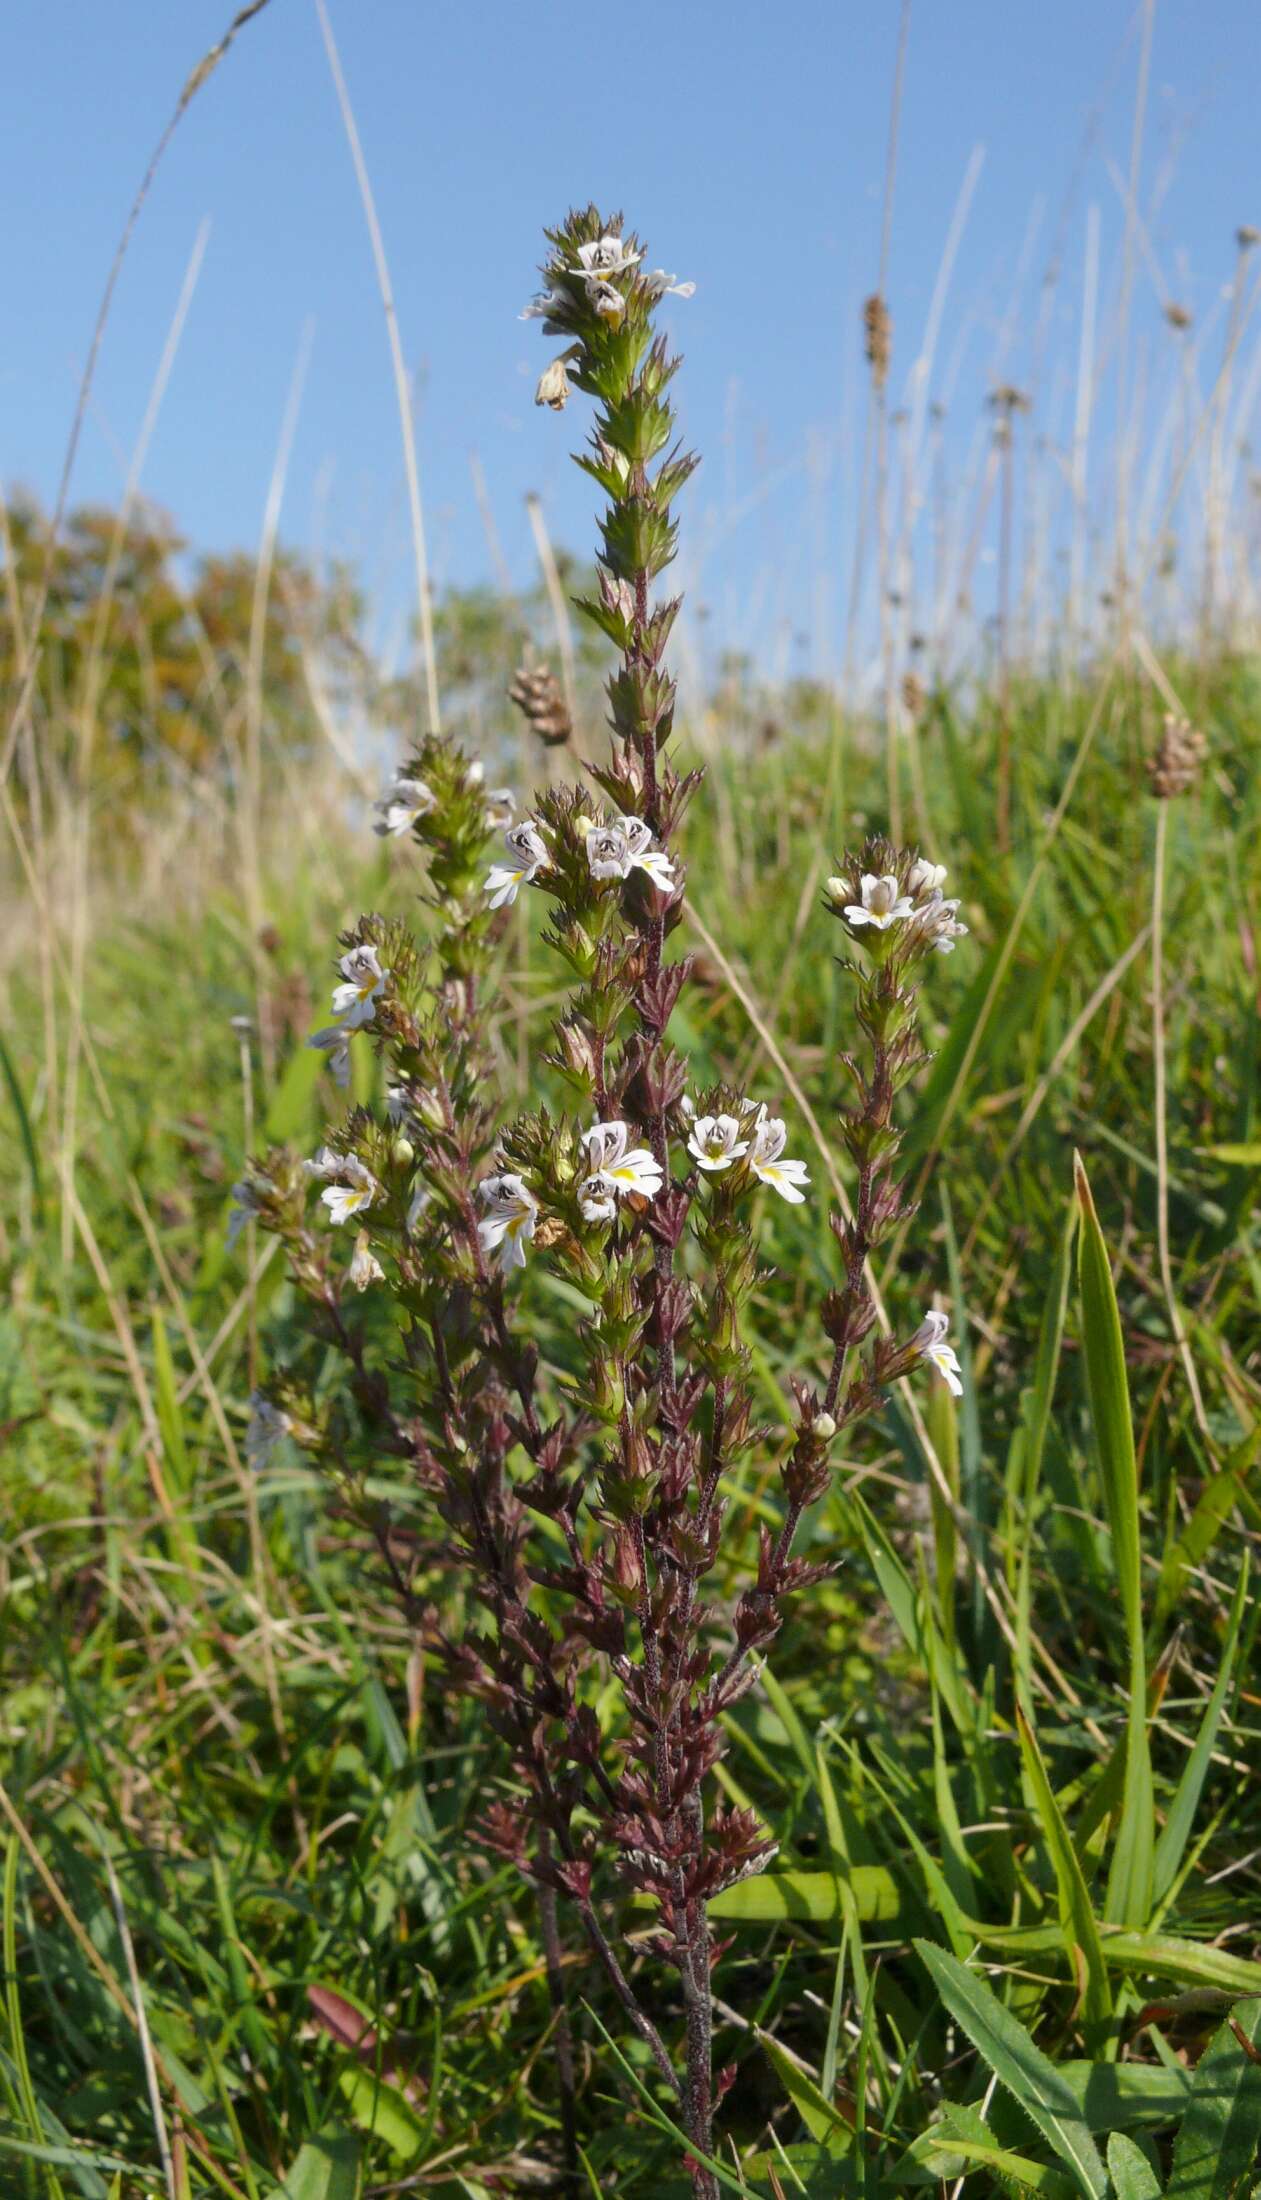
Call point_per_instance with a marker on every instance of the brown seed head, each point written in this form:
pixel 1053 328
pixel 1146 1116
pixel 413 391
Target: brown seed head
pixel 878 335
pixel 536 692
pixel 1175 766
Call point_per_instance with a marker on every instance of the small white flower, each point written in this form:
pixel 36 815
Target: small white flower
pixel 936 922
pixel 407 800
pixel 501 805
pixel 607 852
pixel 786 1177
pixel 614 851
pixel 396 1102
pixel 662 285
pixel 597 1199
pixel 925 878
pixel 244 1209
pixel 354 1002
pixel 881 904
pixel 605 299
pixel 606 256
pixel 642 856
pixel 528 850
pixel 622 1167
pixel 267 1424
pixel 545 303
pixel 416 1205
pixel 364 1267
pixel 357 1190
pixel 334 1042
pixel 510 1218
pixel 716 1142
pixel 929 1342
pixel 687 1108
pixel 322 1166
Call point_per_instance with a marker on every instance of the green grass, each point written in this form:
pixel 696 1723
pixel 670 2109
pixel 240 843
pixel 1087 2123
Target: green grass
pixel 240 1785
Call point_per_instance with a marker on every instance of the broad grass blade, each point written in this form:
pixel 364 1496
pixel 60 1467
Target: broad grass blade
pixel 1002 2041
pixel 1077 1918
pixel 1220 2136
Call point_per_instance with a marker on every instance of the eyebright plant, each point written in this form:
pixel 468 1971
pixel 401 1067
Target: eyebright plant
pixel 583 1510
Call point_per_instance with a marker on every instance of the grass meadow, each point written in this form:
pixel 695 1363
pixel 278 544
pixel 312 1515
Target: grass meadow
pixel 250 1948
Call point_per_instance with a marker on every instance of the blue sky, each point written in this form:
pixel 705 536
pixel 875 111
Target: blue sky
pixel 745 141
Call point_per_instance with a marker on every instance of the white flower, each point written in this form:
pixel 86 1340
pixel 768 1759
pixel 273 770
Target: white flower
pixel 929 1342
pixel 618 1165
pixel 605 299
pixel 545 303
pixel 597 1199
pixel 614 851
pixel 786 1177
pixel 407 800
pixel 881 905
pixel 607 852
pixel 396 1102
pixel 662 285
pixel 244 1210
pixel 642 856
pixel 354 1002
pixel 925 878
pixel 716 1142
pixel 357 1191
pixel 936 923
pixel 364 1267
pixel 501 802
pixel 526 846
pixel 322 1166
pixel 511 1212
pixel 416 1205
pixel 606 256
pixel 267 1424
pixel 334 1042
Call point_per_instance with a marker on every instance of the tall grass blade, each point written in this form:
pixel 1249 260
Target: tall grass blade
pixel 1129 1894
pixel 1176 1831
pixel 1077 1918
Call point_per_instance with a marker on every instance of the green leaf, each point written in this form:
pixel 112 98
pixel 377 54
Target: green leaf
pixel 1018 2064
pixel 327 2168
pixel 817 2113
pixel 25 1131
pixel 963 2141
pixel 1077 1918
pixel 383 2112
pixel 1129 1895
pixel 1132 2175
pixel 1220 2135
pixel 1125 2096
pixel 1177 1827
pixel 169 1410
pixel 811 1897
pixel 1213 1507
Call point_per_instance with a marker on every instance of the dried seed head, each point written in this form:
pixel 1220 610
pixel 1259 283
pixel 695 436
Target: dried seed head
pixel 914 696
pixel 878 334
pixel 1175 766
pixel 1246 236
pixel 1176 315
pixel 536 692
